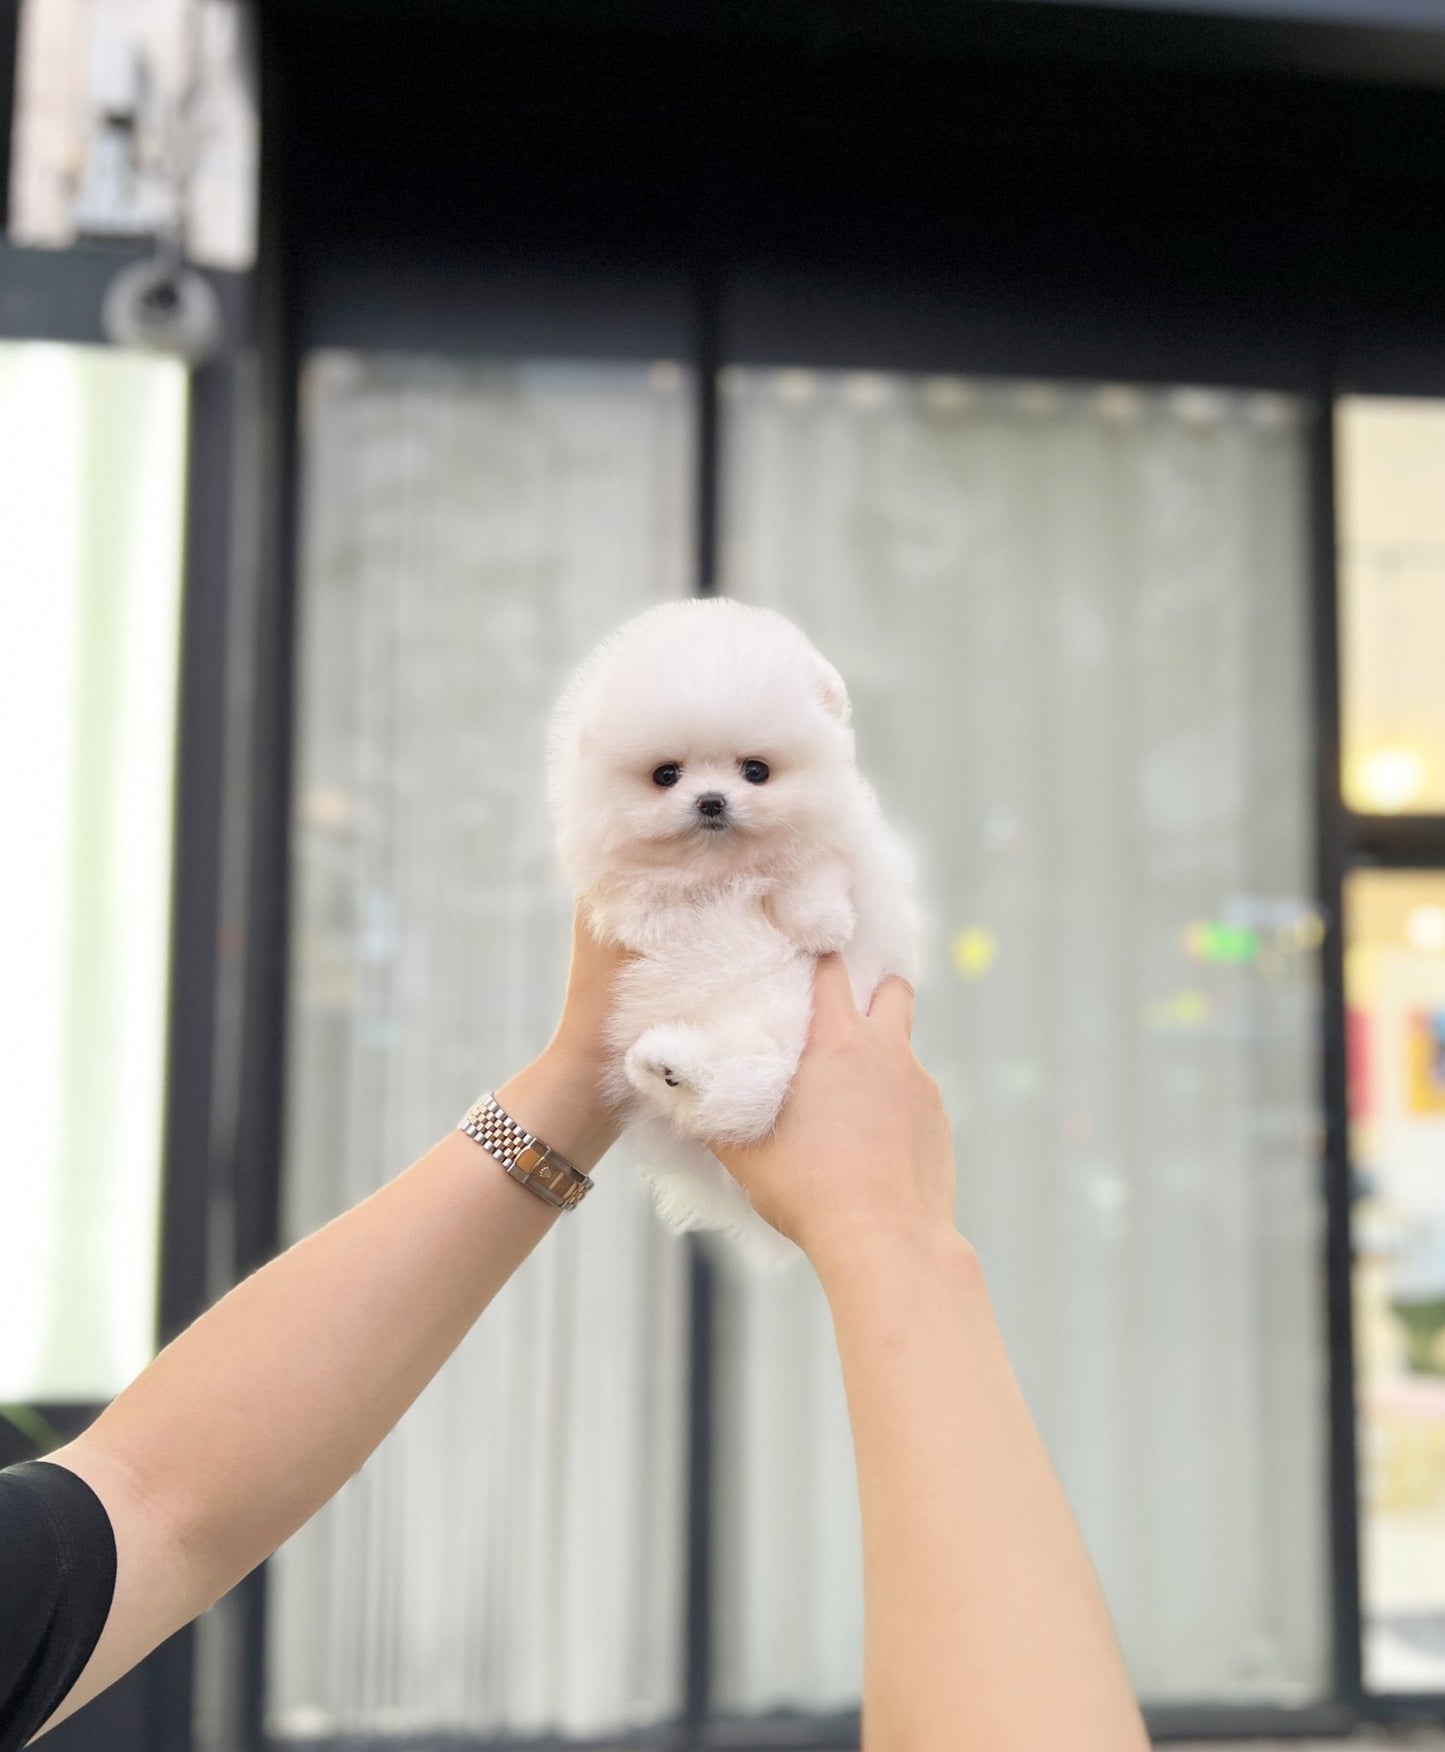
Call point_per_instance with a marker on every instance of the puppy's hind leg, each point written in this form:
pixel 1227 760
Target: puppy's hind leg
pixel 741 1097
pixel 708 1088
pixel 753 1059
pixel 726 1083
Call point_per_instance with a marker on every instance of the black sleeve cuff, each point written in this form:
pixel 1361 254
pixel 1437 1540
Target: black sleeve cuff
pixel 57 1561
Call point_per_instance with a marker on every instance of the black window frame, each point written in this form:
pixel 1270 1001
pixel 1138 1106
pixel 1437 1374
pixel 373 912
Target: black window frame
pixel 735 323
pixel 1408 841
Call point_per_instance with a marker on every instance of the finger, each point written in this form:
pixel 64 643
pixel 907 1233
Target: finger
pixel 833 1006
pixel 593 944
pixel 893 1004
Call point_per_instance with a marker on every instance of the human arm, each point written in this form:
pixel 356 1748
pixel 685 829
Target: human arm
pixel 984 1623
pixel 245 1425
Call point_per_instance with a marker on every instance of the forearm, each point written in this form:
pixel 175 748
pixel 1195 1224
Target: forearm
pixel 262 1409
pixel 985 1625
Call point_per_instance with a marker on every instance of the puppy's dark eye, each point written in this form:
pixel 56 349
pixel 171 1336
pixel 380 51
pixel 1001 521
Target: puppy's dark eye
pixel 667 774
pixel 755 771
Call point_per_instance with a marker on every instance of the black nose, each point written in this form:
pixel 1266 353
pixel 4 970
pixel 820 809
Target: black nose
pixel 711 803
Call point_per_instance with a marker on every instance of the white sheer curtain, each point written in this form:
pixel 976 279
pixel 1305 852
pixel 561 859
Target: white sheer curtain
pixel 1074 624
pixel 512 1558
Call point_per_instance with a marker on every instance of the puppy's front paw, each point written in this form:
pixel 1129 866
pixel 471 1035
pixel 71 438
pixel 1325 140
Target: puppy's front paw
pixel 826 928
pixel 671 1056
pixel 817 914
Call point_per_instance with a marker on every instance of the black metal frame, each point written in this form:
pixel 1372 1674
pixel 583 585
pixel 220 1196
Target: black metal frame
pixel 1390 365
pixel 9 49
pixel 702 1276
pixel 1334 1102
pixel 1365 843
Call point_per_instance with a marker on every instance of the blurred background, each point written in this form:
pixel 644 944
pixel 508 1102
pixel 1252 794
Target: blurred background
pixel 1075 375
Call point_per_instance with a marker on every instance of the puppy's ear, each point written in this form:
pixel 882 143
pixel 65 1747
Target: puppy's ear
pixel 832 695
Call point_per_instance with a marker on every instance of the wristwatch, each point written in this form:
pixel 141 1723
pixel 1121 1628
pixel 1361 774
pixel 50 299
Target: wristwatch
pixel 539 1167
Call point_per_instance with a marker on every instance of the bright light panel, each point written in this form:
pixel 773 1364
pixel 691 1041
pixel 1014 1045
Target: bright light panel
pixel 92 455
pixel 1391 504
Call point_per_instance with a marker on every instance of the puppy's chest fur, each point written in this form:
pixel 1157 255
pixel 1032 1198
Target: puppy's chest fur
pixel 772 915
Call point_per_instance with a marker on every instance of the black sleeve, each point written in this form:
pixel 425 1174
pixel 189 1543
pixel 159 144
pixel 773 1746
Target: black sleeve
pixel 57 1575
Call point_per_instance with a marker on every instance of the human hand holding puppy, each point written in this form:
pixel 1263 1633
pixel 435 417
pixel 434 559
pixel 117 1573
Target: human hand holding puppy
pixel 862 1154
pixel 262 1408
pixel 984 1622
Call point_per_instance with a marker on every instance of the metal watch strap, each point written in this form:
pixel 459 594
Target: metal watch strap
pixel 539 1167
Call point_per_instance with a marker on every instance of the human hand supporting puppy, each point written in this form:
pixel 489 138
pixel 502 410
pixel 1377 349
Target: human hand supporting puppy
pixel 862 1153
pixel 560 1096
pixel 245 1425
pixel 984 1623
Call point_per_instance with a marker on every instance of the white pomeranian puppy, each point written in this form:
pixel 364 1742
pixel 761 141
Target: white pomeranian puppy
pixel 711 818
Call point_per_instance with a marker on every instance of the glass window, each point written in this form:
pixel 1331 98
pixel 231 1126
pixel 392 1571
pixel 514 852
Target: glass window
pixel 92 458
pixel 1074 621
pixel 1395 976
pixel 1391 514
pixel 470 531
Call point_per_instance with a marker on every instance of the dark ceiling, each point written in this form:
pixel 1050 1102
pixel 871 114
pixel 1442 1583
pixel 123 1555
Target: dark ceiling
pixel 1282 165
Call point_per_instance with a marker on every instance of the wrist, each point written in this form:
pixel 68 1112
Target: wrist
pixel 868 1260
pixel 558 1098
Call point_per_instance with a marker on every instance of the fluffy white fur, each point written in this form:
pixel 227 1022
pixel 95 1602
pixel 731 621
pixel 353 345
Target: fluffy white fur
pixel 726 912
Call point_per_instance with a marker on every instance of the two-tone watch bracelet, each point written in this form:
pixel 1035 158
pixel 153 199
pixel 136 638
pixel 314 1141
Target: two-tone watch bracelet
pixel 540 1168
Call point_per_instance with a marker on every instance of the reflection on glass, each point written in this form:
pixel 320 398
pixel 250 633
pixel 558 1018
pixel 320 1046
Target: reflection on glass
pixel 1391 509
pixel 1396 991
pixel 469 531
pixel 1074 625
pixel 92 457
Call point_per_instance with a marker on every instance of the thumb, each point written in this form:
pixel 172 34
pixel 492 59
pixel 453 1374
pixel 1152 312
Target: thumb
pixel 893 1004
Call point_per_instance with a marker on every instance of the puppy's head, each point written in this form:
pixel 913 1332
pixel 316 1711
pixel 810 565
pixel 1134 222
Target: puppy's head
pixel 704 735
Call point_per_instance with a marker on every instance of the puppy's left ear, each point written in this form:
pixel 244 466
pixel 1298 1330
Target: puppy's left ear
pixel 832 694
